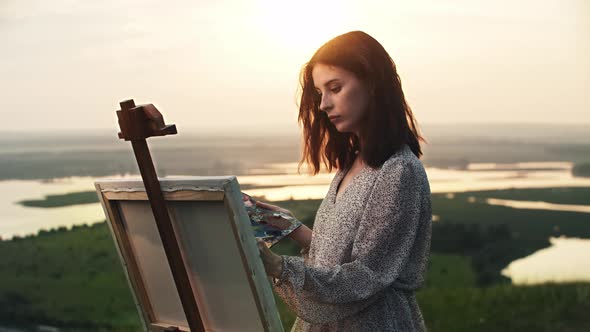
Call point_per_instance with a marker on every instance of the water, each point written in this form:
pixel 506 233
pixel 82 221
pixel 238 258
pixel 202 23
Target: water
pixel 16 219
pixel 280 181
pixel 565 260
pixel 486 176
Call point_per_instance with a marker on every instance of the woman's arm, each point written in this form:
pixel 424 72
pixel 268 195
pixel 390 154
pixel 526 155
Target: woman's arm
pixel 301 235
pixel 392 236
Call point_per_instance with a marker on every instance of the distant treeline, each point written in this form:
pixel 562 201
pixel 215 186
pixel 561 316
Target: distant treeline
pixel 239 155
pixel 490 247
pixel 581 170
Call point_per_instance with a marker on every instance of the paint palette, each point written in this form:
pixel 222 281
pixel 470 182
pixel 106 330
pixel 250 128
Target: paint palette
pixel 269 225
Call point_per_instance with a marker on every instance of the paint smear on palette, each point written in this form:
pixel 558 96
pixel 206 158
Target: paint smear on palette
pixel 269 225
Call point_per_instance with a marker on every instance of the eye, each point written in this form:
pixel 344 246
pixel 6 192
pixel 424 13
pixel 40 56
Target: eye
pixel 335 90
pixel 317 97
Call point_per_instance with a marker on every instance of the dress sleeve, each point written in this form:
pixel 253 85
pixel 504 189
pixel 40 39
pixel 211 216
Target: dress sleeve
pixel 381 247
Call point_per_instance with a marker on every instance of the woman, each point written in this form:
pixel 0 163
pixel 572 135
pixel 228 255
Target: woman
pixel 369 248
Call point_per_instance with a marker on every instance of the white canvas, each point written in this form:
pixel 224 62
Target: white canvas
pixel 218 247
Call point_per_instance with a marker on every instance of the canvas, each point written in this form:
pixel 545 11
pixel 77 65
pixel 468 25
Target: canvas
pixel 218 246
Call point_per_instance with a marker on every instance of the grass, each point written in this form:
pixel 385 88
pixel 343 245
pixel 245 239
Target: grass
pixel 74 279
pixel 547 308
pixel 562 195
pixel 65 278
pixel 84 197
pixel 531 227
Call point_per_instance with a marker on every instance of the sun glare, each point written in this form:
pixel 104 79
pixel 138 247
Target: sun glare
pixel 303 26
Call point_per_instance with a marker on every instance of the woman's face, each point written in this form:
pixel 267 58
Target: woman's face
pixel 344 97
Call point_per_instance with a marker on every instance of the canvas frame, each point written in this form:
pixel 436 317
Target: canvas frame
pixel 125 199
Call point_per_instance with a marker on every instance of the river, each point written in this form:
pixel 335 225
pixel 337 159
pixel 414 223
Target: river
pixel 281 182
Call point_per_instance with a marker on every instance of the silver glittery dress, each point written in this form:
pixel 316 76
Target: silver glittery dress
pixel 368 254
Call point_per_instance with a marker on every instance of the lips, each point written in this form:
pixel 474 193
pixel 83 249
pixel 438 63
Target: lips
pixel 332 117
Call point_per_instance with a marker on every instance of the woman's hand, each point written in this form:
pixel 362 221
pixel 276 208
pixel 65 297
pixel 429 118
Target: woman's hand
pixel 274 207
pixel 273 263
pixel 276 222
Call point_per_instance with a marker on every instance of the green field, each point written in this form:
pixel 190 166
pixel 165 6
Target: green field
pixel 83 197
pixel 73 278
pixel 565 195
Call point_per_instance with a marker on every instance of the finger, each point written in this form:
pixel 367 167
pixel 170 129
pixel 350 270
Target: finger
pixel 260 249
pixel 265 204
pixel 261 244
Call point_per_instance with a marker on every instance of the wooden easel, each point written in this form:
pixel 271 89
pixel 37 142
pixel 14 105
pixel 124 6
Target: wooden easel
pixel 137 123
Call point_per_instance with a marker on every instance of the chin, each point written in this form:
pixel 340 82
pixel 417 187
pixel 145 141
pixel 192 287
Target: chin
pixel 343 128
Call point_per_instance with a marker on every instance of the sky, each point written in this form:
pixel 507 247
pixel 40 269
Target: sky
pixel 234 65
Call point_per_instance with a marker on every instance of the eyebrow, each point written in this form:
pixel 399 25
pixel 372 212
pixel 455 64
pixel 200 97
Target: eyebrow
pixel 330 81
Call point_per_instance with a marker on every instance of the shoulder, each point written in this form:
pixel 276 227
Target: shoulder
pixel 402 159
pixel 403 166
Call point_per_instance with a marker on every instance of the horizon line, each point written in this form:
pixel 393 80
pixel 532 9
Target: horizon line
pixel 246 129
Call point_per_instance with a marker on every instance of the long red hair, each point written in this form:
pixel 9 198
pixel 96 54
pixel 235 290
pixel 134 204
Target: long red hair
pixel 389 122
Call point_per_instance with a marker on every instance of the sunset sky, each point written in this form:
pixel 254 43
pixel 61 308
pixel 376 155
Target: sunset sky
pixel 208 65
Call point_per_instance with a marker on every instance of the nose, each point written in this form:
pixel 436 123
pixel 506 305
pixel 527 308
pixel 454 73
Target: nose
pixel 325 103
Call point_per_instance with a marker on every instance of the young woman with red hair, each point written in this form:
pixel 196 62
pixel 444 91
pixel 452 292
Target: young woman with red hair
pixel 369 248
